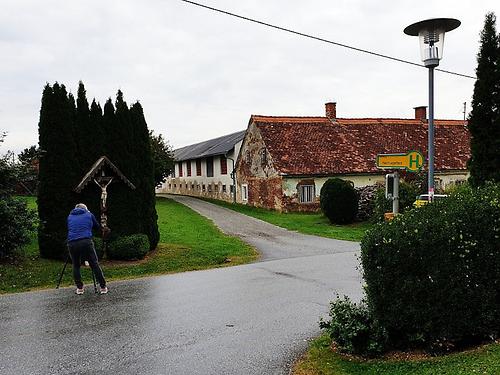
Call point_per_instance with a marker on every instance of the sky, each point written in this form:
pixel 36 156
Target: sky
pixel 200 74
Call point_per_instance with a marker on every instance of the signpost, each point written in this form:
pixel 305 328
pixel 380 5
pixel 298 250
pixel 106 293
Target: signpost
pixel 412 161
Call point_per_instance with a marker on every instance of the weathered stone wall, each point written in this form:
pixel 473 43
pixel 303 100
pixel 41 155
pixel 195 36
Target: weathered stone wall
pixel 265 192
pixel 254 168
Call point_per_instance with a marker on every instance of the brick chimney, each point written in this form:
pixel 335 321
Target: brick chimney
pixel 331 110
pixel 421 113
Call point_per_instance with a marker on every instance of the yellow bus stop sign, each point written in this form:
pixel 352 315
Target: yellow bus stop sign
pixel 412 161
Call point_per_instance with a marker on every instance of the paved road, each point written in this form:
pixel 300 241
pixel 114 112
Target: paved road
pixel 249 319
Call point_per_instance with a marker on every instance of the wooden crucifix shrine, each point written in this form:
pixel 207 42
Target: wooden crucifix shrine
pixel 103 173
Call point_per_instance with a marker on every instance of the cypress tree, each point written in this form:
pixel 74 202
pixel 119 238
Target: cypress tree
pixel 484 120
pixel 57 174
pixel 145 175
pixel 96 128
pixel 85 132
pixel 72 137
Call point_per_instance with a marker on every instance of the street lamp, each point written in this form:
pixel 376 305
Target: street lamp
pixel 431 36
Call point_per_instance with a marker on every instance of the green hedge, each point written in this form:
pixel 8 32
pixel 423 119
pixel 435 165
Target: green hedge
pixel 17 223
pixel 131 247
pixel 339 201
pixel 407 195
pixel 433 274
pixel 353 329
pixel 99 247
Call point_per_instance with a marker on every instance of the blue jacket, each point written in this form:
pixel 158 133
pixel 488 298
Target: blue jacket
pixel 80 224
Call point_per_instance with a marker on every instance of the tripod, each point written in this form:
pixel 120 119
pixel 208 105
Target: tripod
pixel 64 269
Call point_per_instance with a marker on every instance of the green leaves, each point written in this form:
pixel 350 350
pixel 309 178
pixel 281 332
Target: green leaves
pixel 434 272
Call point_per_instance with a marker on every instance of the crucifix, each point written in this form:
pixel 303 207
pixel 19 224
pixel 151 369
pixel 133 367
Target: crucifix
pixel 99 173
pixel 103 182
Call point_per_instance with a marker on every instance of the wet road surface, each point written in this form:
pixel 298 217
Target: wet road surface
pixel 249 319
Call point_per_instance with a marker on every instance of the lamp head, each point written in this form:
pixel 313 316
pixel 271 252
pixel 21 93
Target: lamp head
pixel 431 36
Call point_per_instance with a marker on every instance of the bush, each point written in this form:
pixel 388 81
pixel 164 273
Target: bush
pixel 353 329
pixel 339 201
pixel 433 274
pixel 99 247
pixel 131 247
pixel 366 201
pixel 407 194
pixel 17 223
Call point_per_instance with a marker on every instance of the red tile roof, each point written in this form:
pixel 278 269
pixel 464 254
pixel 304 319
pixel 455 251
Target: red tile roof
pixel 318 146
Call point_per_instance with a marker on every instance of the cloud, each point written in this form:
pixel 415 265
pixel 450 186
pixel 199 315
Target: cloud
pixel 199 74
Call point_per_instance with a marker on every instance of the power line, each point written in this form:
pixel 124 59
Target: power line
pixel 319 38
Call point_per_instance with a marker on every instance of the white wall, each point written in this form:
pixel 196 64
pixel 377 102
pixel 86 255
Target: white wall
pixel 177 184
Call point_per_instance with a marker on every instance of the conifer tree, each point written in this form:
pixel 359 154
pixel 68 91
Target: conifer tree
pixel 484 120
pixel 145 175
pixel 108 126
pixel 72 138
pixel 57 175
pixel 85 132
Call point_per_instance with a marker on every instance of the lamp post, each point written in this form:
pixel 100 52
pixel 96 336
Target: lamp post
pixel 431 36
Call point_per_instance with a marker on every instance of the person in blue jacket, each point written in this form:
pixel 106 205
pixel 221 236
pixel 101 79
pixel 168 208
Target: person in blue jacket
pixel 81 247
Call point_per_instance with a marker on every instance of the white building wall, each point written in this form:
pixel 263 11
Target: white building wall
pixel 443 180
pixel 193 185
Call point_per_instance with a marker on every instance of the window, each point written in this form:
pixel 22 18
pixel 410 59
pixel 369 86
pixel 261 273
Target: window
pixel 188 165
pixel 231 188
pixel 244 192
pixel 263 155
pixel 216 188
pixel 169 186
pixel 175 186
pixel 306 193
pixel 192 186
pixel 203 187
pixel 180 169
pixel 223 165
pixel 209 188
pixel 186 186
pixel 224 188
pixel 210 167
pixel 198 167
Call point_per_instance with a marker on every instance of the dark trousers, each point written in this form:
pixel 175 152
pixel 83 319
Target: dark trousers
pixel 81 250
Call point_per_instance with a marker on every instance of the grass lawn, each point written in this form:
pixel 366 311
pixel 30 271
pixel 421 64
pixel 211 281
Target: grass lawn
pixel 307 223
pixel 188 242
pixel 320 360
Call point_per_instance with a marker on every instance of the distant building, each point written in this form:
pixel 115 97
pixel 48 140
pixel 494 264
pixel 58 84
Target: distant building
pixel 284 161
pixel 204 169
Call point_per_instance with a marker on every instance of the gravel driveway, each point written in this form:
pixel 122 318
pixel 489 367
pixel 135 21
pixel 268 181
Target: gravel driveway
pixel 249 319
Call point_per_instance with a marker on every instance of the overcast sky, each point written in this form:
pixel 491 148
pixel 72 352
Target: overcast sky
pixel 200 74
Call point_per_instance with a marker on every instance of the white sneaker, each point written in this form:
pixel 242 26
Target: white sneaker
pixel 79 291
pixel 104 290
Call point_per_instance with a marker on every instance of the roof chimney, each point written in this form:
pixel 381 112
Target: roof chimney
pixel 421 113
pixel 331 110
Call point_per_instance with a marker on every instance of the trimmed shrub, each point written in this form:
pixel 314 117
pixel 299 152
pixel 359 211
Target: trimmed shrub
pixel 131 247
pixel 339 201
pixel 366 201
pixel 353 329
pixel 433 274
pixel 17 223
pixel 99 247
pixel 407 194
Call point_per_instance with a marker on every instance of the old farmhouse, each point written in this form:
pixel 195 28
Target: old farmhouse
pixel 284 161
pixel 205 169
